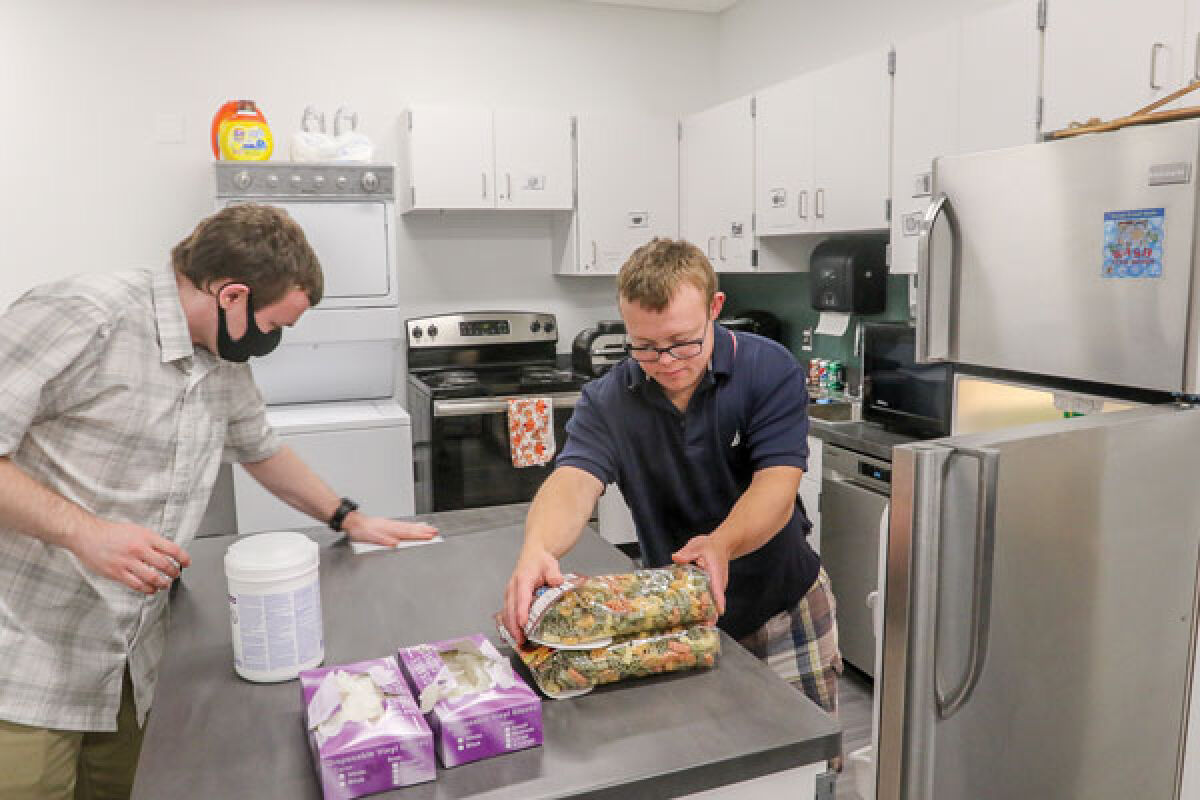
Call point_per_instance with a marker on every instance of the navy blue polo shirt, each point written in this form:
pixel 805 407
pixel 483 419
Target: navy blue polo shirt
pixel 681 473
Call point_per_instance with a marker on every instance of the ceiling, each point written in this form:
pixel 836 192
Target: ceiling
pixel 707 6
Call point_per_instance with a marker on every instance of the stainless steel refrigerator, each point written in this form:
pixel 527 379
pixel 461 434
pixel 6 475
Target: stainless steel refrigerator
pixel 1040 596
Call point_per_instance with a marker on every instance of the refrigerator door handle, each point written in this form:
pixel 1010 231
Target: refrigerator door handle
pixel 949 702
pixel 930 347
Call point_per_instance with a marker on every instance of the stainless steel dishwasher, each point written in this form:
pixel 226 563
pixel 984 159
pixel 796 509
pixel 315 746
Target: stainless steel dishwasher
pixel 855 489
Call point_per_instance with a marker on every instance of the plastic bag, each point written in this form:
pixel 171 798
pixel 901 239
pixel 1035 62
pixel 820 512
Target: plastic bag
pixel 567 673
pixel 588 612
pixel 350 145
pixel 311 142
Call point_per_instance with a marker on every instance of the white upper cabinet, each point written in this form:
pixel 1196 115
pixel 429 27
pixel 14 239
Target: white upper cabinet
pixel 783 135
pixel 1108 58
pixel 716 184
pixel 534 165
pixel 851 134
pixel 474 158
pixel 970 85
pixel 822 160
pixel 628 168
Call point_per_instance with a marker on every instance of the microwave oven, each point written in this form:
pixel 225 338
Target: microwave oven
pixel 897 392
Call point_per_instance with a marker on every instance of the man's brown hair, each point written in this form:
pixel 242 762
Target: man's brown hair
pixel 655 271
pixel 260 246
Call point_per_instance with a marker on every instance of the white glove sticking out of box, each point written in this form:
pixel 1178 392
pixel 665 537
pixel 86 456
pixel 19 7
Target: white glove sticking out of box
pixel 466 670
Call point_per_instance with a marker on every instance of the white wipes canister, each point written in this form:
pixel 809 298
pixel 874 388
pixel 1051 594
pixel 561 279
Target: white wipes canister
pixel 275 606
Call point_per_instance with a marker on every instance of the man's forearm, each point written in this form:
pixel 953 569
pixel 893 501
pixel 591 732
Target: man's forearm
pixel 762 510
pixel 560 509
pixel 34 510
pixel 287 477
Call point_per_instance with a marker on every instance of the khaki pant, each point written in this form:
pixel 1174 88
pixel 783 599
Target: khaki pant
pixel 45 764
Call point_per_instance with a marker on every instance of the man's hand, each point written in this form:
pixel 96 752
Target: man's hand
pixel 708 553
pixel 384 531
pixel 130 554
pixel 534 570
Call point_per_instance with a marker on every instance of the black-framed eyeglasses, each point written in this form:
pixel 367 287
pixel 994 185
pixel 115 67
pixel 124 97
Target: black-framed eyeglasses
pixel 678 351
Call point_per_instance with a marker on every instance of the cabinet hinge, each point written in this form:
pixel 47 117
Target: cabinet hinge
pixel 410 120
pixel 679 130
pixel 1041 15
pixel 887 209
pixel 892 61
pixel 574 128
pixel 754 106
pixel 1037 112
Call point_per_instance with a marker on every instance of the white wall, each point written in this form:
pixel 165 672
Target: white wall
pixel 90 187
pixel 765 41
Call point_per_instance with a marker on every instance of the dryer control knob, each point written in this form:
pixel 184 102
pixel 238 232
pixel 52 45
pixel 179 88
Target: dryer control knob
pixel 535 326
pixel 370 181
pixel 318 181
pixel 549 327
pixel 297 181
pixel 272 181
pixel 416 333
pixel 431 330
pixel 242 180
pixel 342 181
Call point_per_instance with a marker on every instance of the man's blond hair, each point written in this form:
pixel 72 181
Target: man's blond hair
pixel 656 270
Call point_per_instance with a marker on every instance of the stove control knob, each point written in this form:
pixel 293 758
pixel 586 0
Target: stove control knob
pixel 272 181
pixel 370 181
pixel 416 333
pixel 535 326
pixel 342 181
pixel 242 180
pixel 297 181
pixel 318 182
pixel 549 327
pixel 431 330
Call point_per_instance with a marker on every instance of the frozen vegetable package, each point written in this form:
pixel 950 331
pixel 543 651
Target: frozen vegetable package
pixel 589 612
pixel 567 673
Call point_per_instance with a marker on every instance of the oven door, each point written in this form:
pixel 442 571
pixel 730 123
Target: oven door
pixel 470 464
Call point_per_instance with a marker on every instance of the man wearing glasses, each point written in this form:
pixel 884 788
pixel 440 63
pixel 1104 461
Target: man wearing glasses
pixel 705 433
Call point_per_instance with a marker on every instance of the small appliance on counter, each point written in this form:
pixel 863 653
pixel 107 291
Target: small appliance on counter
pixel 897 392
pixel 849 275
pixel 596 350
pixel 764 323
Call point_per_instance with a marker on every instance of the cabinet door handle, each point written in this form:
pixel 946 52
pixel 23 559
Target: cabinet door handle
pixel 1196 60
pixel 708 251
pixel 802 205
pixel 1154 84
pixel 484 176
pixel 722 248
pixel 593 252
pixel 819 202
pixel 508 185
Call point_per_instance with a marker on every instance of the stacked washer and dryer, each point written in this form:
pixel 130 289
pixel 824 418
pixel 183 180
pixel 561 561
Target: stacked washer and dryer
pixel 330 387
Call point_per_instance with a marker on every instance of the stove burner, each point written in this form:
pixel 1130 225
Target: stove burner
pixel 542 374
pixel 458 377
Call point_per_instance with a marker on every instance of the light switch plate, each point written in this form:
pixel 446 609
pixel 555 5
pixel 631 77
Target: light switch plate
pixel 806 339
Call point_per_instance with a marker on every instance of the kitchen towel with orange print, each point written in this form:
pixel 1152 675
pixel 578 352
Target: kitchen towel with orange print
pixel 531 430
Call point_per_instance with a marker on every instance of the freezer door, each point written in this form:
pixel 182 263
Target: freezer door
pixel 1013 272
pixel 1040 611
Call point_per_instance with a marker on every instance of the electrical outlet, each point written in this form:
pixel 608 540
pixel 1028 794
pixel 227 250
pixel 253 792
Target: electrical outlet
pixel 806 337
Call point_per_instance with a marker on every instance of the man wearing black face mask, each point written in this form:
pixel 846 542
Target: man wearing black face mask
pixel 119 395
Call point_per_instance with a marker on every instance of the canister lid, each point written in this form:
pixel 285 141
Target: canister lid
pixel 271 556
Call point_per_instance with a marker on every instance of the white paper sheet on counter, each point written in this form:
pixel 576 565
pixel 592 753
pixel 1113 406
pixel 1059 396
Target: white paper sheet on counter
pixel 833 323
pixel 367 547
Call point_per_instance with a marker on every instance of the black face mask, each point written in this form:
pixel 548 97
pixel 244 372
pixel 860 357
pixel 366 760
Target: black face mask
pixel 253 343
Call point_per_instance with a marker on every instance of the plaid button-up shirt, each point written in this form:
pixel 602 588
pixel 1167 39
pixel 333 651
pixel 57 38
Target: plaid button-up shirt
pixel 104 400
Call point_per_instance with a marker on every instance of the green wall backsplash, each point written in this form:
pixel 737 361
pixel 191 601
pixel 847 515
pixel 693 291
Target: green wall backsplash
pixel 787 296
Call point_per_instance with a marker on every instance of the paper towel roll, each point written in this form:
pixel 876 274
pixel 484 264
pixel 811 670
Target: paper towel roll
pixel 833 323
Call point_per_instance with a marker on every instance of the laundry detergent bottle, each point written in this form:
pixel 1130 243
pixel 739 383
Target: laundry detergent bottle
pixel 240 132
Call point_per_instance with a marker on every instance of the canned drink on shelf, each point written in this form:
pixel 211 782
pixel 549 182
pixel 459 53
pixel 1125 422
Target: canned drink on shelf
pixel 823 379
pixel 837 376
pixel 814 372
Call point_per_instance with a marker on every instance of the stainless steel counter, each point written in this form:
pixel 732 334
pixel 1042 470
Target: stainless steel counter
pixel 212 734
pixel 862 437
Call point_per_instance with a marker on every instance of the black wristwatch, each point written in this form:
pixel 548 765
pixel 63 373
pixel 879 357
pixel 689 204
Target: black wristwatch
pixel 343 510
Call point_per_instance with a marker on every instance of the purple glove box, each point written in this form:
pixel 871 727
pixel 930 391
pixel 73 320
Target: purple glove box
pixel 475 726
pixel 363 758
